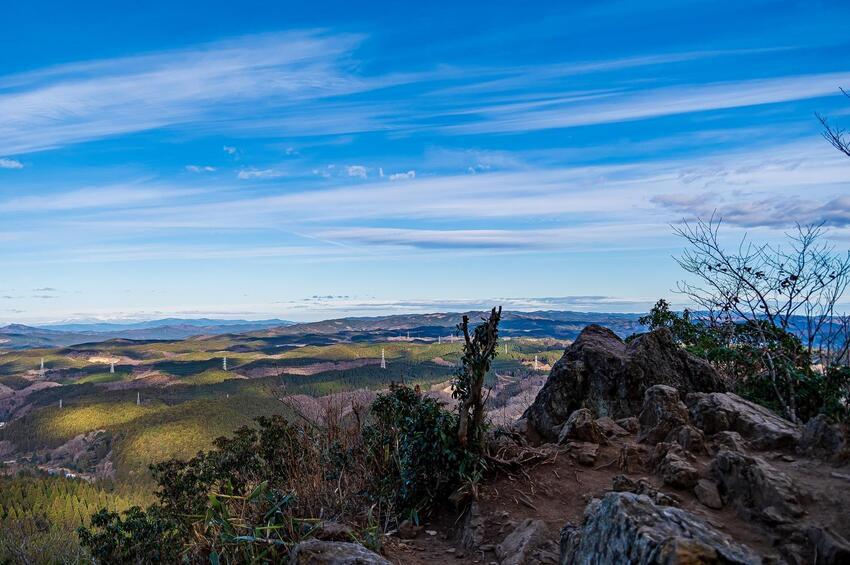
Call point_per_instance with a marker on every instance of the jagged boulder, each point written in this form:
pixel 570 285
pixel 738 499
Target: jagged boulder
pixel 662 413
pixel 517 546
pixel 675 467
pixel 628 528
pixel 829 547
pixel 581 426
pixel 584 452
pixel 756 488
pixel 610 428
pixel 318 552
pixel 690 438
pixel 631 458
pixel 600 372
pixel 821 439
pixel 719 412
pixel 622 483
pixel 729 440
pixel 706 492
pixel 630 424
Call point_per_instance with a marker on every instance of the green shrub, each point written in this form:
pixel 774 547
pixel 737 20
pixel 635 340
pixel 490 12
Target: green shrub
pixel 414 455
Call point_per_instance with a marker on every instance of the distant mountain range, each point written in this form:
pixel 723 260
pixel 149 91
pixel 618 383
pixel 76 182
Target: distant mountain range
pixel 18 336
pixel 551 323
pixel 555 324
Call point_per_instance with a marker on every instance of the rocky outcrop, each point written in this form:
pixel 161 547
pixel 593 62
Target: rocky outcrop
pixel 318 552
pixel 602 373
pixel 581 426
pixel 821 439
pixel 719 412
pixel 662 413
pixel 629 528
pixel 756 488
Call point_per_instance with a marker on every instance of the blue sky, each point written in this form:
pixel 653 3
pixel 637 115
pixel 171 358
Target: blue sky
pixel 309 160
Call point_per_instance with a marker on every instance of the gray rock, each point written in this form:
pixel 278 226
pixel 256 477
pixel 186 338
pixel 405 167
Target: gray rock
pixel 707 493
pixel 622 483
pixel 662 413
pixel 581 426
pixel 690 438
pixel 631 458
pixel 585 453
pixel 629 424
pixel 610 428
pixel 317 552
pixel 675 470
pixel 408 530
pixel 629 528
pixel 821 438
pixel 600 372
pixel 829 547
pixel 719 412
pixel 333 531
pixel 474 527
pixel 729 440
pixel 518 546
pixel 757 489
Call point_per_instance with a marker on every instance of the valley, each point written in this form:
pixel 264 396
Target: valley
pixel 102 412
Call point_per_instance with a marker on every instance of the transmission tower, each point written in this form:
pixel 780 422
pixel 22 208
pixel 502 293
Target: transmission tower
pixel 383 359
pixel 224 363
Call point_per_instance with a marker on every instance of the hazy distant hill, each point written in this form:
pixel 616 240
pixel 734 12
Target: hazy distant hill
pixel 556 324
pixel 165 323
pixel 550 323
pixel 18 336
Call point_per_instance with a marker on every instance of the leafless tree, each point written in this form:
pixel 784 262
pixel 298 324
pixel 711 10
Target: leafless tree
pixel 771 287
pixel 834 135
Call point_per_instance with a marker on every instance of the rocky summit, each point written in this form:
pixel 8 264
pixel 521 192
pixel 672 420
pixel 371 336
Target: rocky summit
pixel 608 376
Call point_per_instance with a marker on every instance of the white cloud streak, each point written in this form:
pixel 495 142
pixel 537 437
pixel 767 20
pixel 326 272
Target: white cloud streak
pixel 81 102
pixel 622 106
pixel 10 164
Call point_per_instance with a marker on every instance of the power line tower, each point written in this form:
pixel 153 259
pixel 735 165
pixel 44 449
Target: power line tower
pixel 41 368
pixel 383 359
pixel 112 368
pixel 535 362
pixel 224 363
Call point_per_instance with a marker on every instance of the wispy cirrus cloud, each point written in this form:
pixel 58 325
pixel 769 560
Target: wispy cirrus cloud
pixel 209 83
pixel 621 105
pixel 108 196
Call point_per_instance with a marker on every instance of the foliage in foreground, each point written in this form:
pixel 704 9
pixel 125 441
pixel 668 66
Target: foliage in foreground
pixel 266 487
